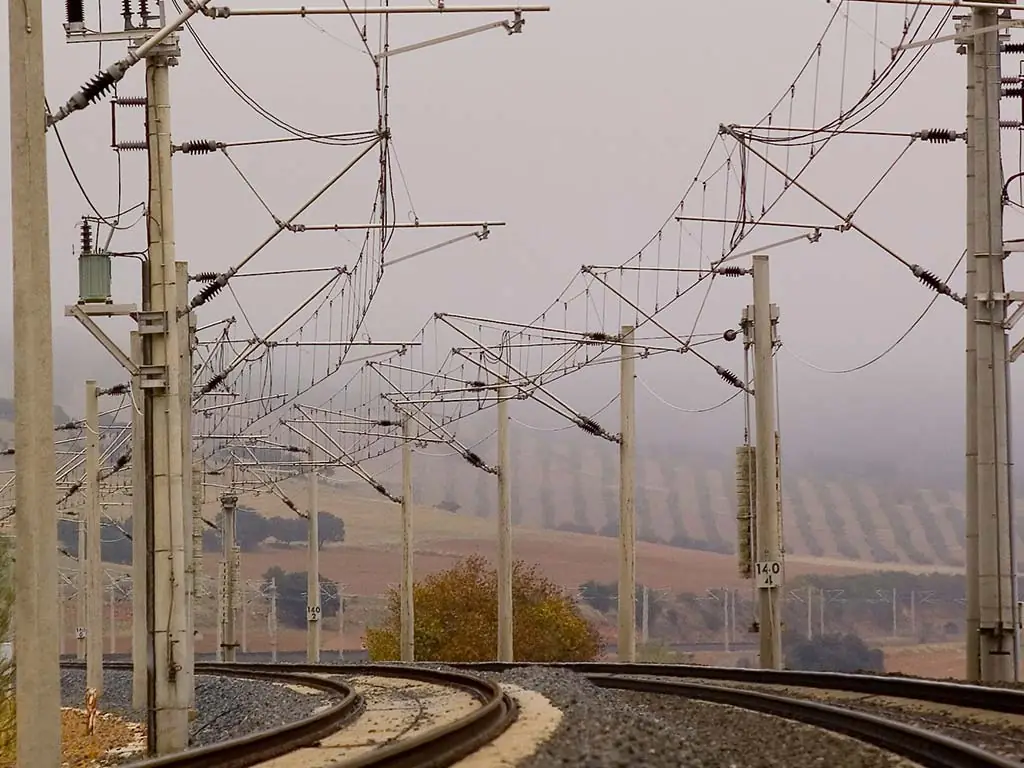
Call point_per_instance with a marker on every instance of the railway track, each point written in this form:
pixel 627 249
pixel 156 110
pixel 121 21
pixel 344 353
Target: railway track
pixel 923 746
pixel 298 743
pixel 448 743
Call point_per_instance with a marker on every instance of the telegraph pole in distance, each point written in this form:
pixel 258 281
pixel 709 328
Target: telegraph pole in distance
pixel 37 691
pixel 313 607
pixel 998 625
pixel 407 619
pixel 272 620
pixel 627 498
pixel 81 592
pixel 228 505
pixel 768 569
pixel 93 556
pixel 192 564
pixel 506 620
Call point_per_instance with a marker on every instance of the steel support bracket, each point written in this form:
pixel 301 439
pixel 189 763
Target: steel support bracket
pixel 152 323
pixel 153 376
pixel 994 296
pixel 79 312
pixel 1015 316
pixel 1016 350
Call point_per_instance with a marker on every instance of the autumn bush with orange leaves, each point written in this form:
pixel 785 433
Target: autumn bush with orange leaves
pixel 456 618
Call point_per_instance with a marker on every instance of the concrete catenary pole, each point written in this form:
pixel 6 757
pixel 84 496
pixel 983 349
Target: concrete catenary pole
pixel 93 540
pixel 408 618
pixel 973 624
pixel 169 636
pixel 36 565
pixel 189 512
pixel 228 505
pixel 37 689
pixel 221 590
pixel 810 612
pixel 506 619
pixel 60 616
pixel 272 620
pixel 113 621
pixel 894 626
pixel 341 622
pixel 769 570
pixel 81 593
pixel 998 627
pixel 243 610
pixel 627 499
pixel 139 538
pixel 645 618
pixel 726 628
pixel 313 607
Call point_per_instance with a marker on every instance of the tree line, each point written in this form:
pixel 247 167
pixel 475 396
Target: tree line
pixel 252 531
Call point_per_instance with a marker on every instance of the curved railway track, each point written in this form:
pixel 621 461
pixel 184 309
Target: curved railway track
pixel 437 748
pixel 922 746
pixel 445 745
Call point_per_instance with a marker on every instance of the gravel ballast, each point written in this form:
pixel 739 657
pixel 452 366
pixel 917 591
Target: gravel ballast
pixel 606 729
pixel 993 732
pixel 227 707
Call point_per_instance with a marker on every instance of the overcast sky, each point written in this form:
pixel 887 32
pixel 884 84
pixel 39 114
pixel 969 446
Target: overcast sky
pixel 582 134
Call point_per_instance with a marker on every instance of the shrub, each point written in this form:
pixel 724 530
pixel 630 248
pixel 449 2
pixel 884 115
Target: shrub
pixel 834 653
pixel 456 618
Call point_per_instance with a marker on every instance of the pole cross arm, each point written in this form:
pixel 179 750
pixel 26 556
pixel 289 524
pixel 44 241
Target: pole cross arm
pixel 223 11
pixel 512 27
pixel 79 314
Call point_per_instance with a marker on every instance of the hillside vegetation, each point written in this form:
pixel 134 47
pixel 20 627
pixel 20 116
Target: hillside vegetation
pixel 567 482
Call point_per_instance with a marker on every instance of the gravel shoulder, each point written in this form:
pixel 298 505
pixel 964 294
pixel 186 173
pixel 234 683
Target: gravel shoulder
pixel 994 732
pixel 227 707
pixel 607 729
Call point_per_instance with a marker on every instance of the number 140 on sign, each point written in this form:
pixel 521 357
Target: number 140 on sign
pixel 768 574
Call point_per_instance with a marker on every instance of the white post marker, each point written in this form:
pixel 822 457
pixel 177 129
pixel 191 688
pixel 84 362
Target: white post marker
pixel 768 574
pixel 313 573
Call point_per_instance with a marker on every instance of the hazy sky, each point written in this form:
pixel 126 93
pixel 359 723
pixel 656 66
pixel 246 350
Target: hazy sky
pixel 582 133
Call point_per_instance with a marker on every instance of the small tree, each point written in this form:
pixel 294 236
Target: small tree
pixel 456 618
pixel 292 599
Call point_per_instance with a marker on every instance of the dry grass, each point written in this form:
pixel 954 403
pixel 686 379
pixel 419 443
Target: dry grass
pixel 8 731
pixel 81 750
pixel 112 733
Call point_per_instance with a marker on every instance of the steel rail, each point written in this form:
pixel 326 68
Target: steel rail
pixel 923 747
pixel 991 699
pixel 255 748
pixel 436 748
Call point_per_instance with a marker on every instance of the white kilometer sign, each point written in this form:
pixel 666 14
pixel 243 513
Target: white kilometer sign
pixel 313 612
pixel 768 574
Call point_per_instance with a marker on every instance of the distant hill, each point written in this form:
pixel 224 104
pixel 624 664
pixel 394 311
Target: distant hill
pixel 568 481
pixel 60 416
